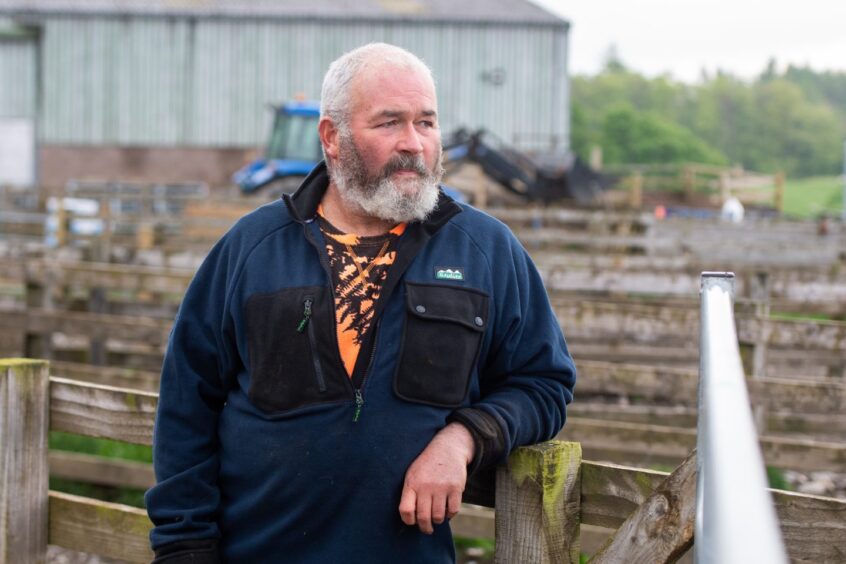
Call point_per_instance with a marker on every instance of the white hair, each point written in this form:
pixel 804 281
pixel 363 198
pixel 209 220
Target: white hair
pixel 335 94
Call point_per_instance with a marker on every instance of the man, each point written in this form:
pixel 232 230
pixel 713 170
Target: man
pixel 344 356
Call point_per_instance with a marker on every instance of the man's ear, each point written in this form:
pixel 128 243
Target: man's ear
pixel 329 134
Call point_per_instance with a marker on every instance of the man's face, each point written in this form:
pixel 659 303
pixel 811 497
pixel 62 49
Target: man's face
pixel 388 162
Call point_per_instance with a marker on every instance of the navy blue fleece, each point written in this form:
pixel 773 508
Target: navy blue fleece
pixel 309 484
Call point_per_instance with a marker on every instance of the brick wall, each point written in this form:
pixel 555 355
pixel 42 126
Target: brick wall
pixel 60 163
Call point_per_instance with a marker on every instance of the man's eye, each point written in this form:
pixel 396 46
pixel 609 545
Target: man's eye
pixel 427 124
pixel 388 123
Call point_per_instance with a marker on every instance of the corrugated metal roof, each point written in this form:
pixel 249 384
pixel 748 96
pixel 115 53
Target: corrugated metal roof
pixel 494 11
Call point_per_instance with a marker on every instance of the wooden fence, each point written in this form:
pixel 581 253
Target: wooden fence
pixel 637 409
pixel 698 184
pixel 193 225
pixel 544 498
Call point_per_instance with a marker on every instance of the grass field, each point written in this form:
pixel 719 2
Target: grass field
pixel 811 197
pixel 101 447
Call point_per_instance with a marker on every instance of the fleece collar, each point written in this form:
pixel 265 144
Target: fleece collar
pixel 303 203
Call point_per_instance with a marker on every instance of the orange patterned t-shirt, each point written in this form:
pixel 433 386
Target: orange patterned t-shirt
pixel 359 267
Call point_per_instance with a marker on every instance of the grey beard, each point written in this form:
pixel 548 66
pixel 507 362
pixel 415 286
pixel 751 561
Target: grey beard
pixel 381 197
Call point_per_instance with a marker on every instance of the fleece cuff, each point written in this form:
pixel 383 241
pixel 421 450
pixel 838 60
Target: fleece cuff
pixel 488 438
pixel 203 551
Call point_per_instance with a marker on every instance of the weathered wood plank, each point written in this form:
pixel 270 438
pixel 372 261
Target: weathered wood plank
pixel 806 289
pixel 473 522
pixel 478 523
pixel 128 278
pixel 609 221
pixel 537 502
pixel 99 527
pixel 679 386
pixel 793 363
pixel 819 335
pixel 648 414
pixel 819 427
pixel 107 375
pixel 812 526
pixel 633 322
pixel 822 427
pixel 92 469
pixel 653 355
pixel 24 472
pixel 149 330
pixel 102 411
pixel 629 442
pixel 661 529
pixel 656 383
pixel 611 492
pixel 657 444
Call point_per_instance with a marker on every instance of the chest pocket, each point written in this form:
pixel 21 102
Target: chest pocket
pixel 443 332
pixel 293 355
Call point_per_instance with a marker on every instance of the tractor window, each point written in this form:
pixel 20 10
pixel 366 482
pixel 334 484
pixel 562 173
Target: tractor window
pixel 295 138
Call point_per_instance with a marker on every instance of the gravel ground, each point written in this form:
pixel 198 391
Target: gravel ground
pixel 58 555
pixel 828 484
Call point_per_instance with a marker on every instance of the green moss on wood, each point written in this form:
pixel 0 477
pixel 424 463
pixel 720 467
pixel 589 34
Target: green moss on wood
pixel 131 401
pixel 19 362
pixel 547 465
pixel 23 370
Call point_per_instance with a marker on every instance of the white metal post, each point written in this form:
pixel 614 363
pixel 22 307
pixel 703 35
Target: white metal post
pixel 735 516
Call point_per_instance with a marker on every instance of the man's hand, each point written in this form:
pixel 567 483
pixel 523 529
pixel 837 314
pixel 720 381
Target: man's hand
pixel 435 480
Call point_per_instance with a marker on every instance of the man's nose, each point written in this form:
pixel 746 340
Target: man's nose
pixel 410 141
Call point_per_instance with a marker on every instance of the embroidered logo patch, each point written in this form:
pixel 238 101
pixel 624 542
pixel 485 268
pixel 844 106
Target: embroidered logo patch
pixel 449 273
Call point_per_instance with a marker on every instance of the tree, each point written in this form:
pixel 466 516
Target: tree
pixel 633 137
pixel 794 121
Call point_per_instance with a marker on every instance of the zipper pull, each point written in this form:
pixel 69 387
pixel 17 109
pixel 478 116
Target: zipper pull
pixel 306 315
pixel 359 401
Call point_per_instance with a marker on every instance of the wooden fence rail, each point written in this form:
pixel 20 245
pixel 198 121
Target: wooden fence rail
pixel 583 320
pixel 633 330
pixel 800 290
pixel 194 226
pixel 698 183
pixel 806 291
pixel 557 493
pixel 613 330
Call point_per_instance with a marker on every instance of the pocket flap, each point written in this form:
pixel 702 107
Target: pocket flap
pixel 439 302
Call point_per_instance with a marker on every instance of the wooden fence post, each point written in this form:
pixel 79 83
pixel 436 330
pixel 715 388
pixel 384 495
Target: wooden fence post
pixel 688 183
pixel 538 504
pixel 97 303
pixel 760 294
pixel 636 192
pixel 779 192
pixel 24 472
pixel 102 249
pixel 596 157
pixel 38 296
pixel 725 191
pixel 62 227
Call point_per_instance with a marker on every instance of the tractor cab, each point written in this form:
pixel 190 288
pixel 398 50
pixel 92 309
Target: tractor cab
pixel 292 152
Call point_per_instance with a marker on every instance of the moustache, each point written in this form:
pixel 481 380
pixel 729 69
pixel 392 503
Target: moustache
pixel 406 162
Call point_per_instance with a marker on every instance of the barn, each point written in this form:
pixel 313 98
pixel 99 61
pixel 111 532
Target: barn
pixel 180 90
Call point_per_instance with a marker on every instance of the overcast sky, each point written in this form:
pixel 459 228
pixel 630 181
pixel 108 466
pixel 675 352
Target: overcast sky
pixel 681 37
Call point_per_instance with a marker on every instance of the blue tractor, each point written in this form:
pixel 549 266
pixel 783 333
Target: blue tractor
pixel 294 149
